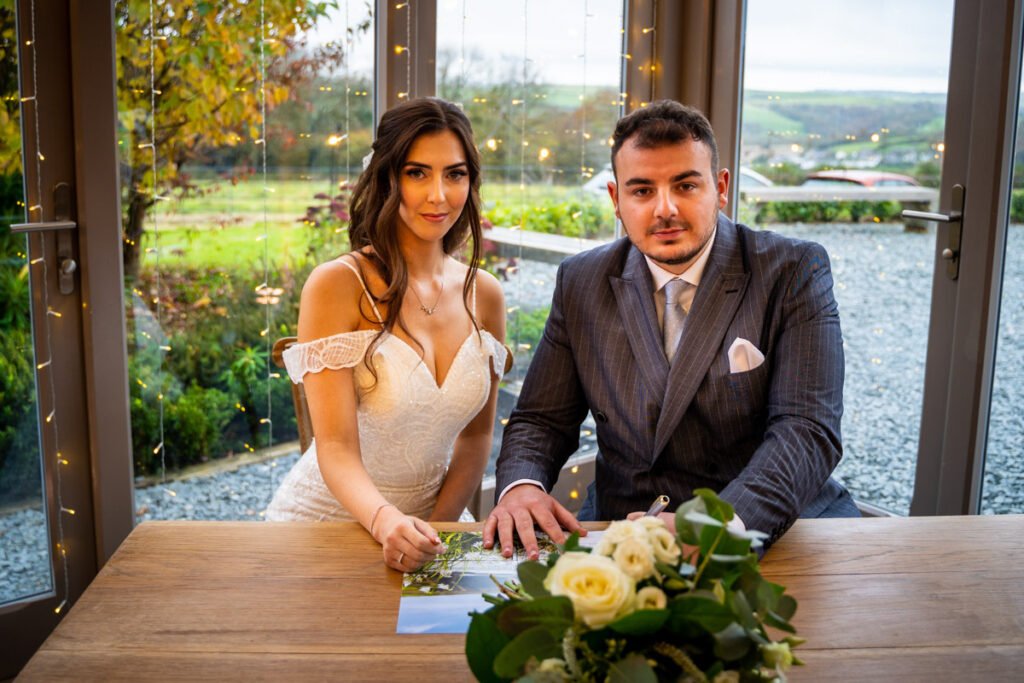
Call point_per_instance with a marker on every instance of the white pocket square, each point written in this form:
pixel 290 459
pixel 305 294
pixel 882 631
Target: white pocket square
pixel 744 356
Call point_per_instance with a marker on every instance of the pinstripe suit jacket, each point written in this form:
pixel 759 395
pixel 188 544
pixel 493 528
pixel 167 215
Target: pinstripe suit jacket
pixel 766 440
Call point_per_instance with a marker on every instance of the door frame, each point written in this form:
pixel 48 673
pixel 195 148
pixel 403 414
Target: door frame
pixel 86 384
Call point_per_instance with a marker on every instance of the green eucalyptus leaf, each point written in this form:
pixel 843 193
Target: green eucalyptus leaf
pixel 730 545
pixel 785 607
pixel 708 614
pixel 773 619
pixel 741 608
pixel 535 642
pixel 531 576
pixel 632 669
pixel 484 641
pixel 686 531
pixel 768 595
pixel 702 519
pixel 731 643
pixel 554 614
pixel 715 506
pixel 679 573
pixel 640 623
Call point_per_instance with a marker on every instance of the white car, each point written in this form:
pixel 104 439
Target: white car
pixel 599 183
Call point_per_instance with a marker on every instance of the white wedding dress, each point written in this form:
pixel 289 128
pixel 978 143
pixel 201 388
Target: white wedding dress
pixel 407 423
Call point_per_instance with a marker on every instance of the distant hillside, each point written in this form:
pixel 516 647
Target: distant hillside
pixel 835 115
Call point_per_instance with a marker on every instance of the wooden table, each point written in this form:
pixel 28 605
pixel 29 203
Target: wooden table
pixel 919 599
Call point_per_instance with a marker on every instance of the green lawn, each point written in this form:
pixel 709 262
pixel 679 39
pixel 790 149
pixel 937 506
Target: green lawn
pixel 224 227
pixel 233 245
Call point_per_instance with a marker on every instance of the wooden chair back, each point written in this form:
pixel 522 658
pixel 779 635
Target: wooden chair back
pixel 298 394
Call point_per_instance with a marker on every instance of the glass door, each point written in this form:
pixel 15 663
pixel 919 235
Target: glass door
pixel 47 539
pixel 843 127
pixel 1002 487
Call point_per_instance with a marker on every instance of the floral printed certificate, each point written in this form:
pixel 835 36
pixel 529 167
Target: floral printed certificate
pixel 438 597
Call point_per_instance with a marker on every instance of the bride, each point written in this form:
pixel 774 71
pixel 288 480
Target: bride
pixel 400 345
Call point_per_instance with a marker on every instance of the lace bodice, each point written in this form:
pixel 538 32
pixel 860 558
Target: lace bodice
pixel 407 423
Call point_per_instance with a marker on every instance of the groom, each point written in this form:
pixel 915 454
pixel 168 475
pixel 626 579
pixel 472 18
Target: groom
pixel 710 355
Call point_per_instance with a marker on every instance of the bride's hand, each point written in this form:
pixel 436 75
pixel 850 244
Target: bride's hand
pixel 406 541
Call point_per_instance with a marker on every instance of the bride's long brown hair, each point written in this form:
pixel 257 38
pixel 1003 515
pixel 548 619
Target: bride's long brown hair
pixel 376 199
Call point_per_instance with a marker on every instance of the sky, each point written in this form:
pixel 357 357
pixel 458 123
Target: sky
pixel 791 45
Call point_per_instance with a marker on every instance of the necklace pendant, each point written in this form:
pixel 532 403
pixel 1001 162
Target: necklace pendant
pixel 428 311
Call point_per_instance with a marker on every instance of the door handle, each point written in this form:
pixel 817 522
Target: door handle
pixel 951 253
pixel 62 225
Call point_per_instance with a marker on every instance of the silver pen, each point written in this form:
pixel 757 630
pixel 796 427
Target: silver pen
pixel 658 506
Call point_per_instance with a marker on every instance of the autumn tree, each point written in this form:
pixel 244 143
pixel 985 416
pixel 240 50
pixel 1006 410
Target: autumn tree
pixel 204 77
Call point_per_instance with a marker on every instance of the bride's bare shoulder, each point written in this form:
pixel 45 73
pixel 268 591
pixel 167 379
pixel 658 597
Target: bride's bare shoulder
pixel 333 297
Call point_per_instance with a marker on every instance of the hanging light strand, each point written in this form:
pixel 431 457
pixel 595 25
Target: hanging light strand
pixel 583 175
pixel 408 49
pixel 522 149
pixel 462 53
pixel 348 89
pixel 52 418
pixel 653 30
pixel 162 348
pixel 268 295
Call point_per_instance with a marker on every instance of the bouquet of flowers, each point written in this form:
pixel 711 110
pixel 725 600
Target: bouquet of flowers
pixel 642 605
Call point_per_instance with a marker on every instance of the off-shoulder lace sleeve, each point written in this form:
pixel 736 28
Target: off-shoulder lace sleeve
pixel 497 351
pixel 338 351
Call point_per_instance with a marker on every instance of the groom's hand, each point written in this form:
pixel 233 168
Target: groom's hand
pixel 518 511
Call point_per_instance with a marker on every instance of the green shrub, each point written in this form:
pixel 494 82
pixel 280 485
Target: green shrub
pixel 827 212
pixel 1017 206
pixel 525 328
pixel 589 218
pixel 19 431
pixel 195 425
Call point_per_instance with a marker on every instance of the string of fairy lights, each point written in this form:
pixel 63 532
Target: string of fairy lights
pixel 585 171
pixel 52 420
pixel 163 348
pixel 406 49
pixel 522 153
pixel 265 291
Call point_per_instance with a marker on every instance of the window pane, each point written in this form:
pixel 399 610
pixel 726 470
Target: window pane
pixel 543 97
pixel 843 111
pixel 24 539
pixel 217 250
pixel 1003 485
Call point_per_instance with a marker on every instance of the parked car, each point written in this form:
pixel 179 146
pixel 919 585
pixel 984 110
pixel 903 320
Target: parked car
pixel 599 183
pixel 864 178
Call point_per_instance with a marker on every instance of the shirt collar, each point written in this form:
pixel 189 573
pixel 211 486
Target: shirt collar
pixel 691 275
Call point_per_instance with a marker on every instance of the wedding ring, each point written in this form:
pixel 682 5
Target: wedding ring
pixel 401 557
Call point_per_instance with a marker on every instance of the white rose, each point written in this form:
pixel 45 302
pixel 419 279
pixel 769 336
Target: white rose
pixel 604 547
pixel 599 590
pixel 664 544
pixel 777 655
pixel 552 665
pixel 651 597
pixel 619 531
pixel 649 523
pixel 635 557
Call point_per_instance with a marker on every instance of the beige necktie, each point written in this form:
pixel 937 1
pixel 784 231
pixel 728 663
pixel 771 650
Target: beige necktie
pixel 675 317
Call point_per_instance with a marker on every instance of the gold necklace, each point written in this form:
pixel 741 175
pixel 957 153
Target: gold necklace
pixel 428 311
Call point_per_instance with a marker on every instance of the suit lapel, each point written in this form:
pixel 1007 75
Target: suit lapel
pixel 719 295
pixel 633 294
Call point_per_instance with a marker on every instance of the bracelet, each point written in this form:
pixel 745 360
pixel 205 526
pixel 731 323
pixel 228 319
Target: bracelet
pixel 373 519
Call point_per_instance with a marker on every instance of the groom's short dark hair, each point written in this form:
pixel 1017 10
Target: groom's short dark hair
pixel 665 122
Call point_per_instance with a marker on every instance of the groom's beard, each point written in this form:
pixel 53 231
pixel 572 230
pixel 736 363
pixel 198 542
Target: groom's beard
pixel 682 257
